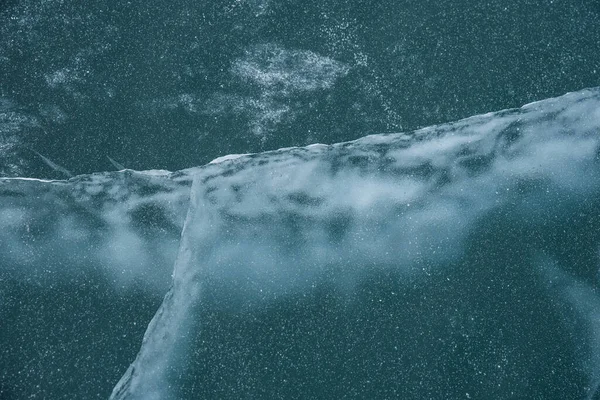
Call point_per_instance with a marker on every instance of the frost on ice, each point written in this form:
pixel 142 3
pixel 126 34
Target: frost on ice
pixel 459 260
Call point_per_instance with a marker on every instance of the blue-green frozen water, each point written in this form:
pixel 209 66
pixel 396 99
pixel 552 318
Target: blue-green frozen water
pixel 459 261
pixel 156 84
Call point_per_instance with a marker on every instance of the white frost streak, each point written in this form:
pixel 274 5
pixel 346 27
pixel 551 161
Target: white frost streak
pixel 275 74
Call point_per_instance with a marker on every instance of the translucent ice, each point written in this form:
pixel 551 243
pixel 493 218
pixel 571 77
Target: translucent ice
pixel 457 261
pixel 84 264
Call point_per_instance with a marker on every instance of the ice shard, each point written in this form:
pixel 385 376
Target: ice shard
pixel 457 261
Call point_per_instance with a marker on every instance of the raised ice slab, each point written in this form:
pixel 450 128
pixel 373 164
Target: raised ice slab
pixel 458 261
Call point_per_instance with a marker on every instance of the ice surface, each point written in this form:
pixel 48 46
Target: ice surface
pixel 12 122
pixel 460 258
pixel 84 264
pixel 94 217
pixel 458 261
pixel 274 75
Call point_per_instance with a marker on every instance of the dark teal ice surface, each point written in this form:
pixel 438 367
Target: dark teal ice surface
pixel 156 84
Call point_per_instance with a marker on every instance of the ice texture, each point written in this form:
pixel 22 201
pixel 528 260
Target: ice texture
pixel 84 264
pixel 457 261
